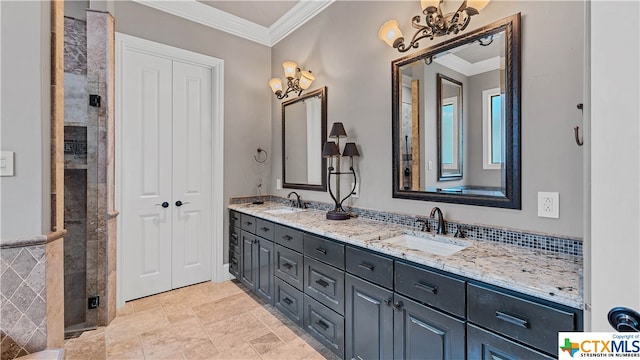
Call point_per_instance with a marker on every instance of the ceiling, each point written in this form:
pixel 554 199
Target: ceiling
pixel 263 21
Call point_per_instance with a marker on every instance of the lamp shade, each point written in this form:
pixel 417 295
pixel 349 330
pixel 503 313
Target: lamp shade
pixel 477 5
pixel 350 149
pixel 389 32
pixel 330 149
pixel 276 84
pixel 289 69
pixel 306 78
pixel 337 130
pixel 430 5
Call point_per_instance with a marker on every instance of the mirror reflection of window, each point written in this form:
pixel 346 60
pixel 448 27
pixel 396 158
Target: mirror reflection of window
pixel 449 133
pixel 493 128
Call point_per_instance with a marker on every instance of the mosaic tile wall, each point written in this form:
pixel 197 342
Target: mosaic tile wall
pixel 23 310
pixel 559 244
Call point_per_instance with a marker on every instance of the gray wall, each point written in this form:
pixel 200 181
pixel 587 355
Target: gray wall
pixel 247 69
pixel 341 47
pixel 25 114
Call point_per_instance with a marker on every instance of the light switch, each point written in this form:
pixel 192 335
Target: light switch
pixel 6 163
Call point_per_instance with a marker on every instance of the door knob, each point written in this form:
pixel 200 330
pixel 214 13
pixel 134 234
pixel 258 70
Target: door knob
pixel 624 319
pixel 180 203
pixel 164 205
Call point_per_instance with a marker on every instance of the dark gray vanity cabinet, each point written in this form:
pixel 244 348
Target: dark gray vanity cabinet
pixel 289 273
pixel 257 256
pixel 485 345
pixel 234 244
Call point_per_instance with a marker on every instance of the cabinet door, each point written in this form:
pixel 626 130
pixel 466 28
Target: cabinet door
pixel 264 269
pixel 368 320
pixel 484 345
pixel 247 261
pixel 424 333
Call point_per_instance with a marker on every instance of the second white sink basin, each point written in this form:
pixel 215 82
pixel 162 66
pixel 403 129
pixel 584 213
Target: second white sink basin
pixel 286 210
pixel 433 244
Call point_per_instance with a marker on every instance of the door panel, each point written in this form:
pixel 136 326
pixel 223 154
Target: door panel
pixel 147 184
pixel 191 174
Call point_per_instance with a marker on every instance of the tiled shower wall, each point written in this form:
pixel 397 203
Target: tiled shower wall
pixel 23 310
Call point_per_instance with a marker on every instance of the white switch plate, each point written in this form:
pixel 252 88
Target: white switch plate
pixel 278 184
pixel 549 205
pixel 6 163
pixel 356 192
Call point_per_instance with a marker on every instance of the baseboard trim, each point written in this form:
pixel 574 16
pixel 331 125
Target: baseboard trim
pixel 227 274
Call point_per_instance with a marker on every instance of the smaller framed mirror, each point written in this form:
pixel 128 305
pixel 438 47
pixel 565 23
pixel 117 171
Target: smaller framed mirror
pixel 449 127
pixel 304 131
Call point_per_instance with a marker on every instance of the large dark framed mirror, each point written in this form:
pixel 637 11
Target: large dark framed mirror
pixel 458 103
pixel 304 131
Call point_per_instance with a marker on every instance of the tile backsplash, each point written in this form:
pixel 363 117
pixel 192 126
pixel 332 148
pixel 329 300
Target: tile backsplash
pixel 553 243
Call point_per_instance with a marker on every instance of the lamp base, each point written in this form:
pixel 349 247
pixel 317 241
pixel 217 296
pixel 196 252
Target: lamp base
pixel 337 215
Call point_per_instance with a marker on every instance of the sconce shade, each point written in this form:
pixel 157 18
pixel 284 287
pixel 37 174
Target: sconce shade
pixel 306 78
pixel 389 32
pixel 276 84
pixel 350 149
pixel 289 69
pixel 337 130
pixel 477 5
pixel 430 5
pixel 330 149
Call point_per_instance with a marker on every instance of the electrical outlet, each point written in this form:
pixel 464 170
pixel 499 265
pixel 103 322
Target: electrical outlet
pixel 278 184
pixel 356 192
pixel 549 205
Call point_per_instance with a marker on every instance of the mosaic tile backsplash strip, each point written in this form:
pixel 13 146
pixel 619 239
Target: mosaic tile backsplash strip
pixel 545 242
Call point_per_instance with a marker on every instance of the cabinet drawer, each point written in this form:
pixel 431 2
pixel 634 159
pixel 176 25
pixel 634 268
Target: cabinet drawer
pixel 529 322
pixel 325 325
pixel 289 266
pixel 248 223
pixel 289 301
pixel 234 264
pixel 234 218
pixel 264 229
pixel 484 345
pixel 325 284
pixel 324 250
pixel 437 290
pixel 288 237
pixel 234 236
pixel 375 268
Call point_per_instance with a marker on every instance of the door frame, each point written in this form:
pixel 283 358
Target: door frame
pixel 128 42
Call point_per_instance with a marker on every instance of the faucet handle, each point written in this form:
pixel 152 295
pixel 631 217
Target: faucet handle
pixel 425 224
pixel 460 232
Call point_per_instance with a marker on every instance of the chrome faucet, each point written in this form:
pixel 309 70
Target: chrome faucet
pixel 297 202
pixel 440 229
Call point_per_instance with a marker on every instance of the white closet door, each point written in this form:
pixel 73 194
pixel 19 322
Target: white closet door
pixel 146 184
pixel 192 233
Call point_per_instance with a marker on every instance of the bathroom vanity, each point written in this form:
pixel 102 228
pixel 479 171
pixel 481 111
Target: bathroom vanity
pixel 369 289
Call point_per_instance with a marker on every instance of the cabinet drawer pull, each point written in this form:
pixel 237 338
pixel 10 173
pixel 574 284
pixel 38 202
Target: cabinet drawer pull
pixel 265 229
pixel 322 324
pixel 398 305
pixel 322 283
pixel 287 237
pixel 255 241
pixel 367 266
pixel 321 251
pixel 427 288
pixel 248 223
pixel 234 261
pixel 287 301
pixel 288 266
pixel 234 238
pixel 512 319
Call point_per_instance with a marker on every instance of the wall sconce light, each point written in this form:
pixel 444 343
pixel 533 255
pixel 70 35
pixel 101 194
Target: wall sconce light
pixel 331 150
pixel 435 23
pixel 297 80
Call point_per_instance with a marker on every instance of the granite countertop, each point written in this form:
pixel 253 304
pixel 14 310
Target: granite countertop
pixel 551 276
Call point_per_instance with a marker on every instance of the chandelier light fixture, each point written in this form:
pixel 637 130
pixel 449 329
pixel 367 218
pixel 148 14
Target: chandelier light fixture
pixel 297 80
pixel 435 23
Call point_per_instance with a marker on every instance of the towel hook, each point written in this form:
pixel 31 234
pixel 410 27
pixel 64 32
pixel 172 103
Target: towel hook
pixel 576 129
pixel 266 155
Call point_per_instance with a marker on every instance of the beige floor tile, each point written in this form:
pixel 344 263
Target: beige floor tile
pixel 200 350
pixel 266 343
pixel 126 309
pixel 242 351
pixel 225 308
pixel 235 331
pixel 174 338
pixel 132 355
pixel 146 303
pixel 117 348
pixel 90 347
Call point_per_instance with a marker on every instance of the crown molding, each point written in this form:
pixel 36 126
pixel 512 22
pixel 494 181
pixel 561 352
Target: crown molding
pixel 302 12
pixel 217 19
pixel 466 68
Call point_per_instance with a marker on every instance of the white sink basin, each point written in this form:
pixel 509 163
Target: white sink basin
pixel 433 244
pixel 280 211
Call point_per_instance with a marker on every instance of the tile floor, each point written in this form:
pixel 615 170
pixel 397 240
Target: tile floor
pixel 203 321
